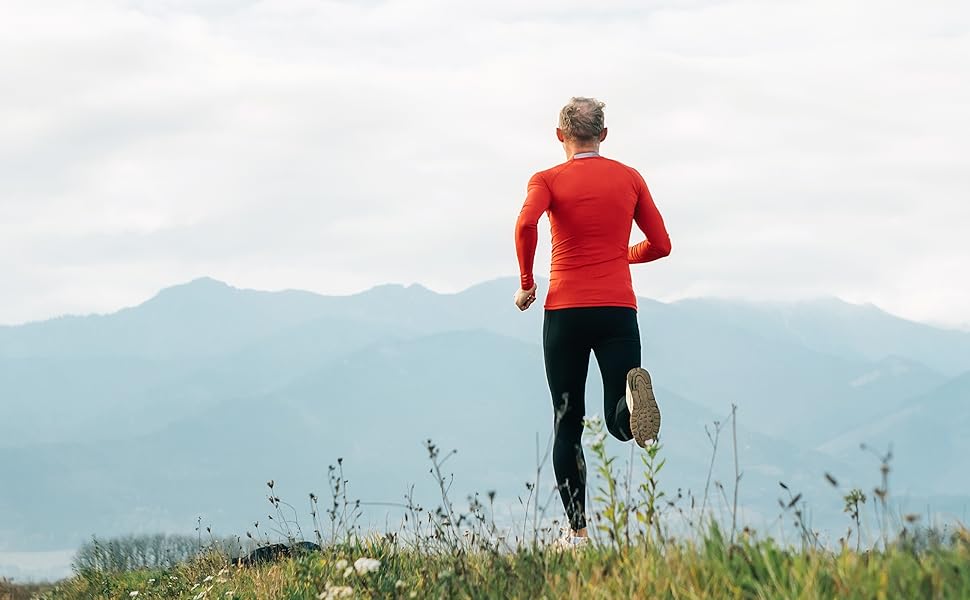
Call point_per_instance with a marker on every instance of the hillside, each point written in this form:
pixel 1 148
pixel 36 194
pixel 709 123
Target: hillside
pixel 931 434
pixel 187 403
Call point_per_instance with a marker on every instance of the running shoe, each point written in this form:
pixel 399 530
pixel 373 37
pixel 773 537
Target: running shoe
pixel 644 412
pixel 568 541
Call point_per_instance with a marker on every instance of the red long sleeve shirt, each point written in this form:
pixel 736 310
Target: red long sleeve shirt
pixel 592 204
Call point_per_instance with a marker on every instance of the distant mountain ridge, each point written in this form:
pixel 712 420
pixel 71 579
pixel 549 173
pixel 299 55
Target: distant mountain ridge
pixel 865 330
pixel 159 406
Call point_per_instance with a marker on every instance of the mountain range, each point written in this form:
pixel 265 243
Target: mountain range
pixel 183 406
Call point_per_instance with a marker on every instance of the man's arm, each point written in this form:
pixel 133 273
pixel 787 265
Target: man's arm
pixel 526 228
pixel 648 219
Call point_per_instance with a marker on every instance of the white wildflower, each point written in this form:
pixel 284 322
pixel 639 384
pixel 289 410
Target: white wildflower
pixel 337 591
pixel 348 571
pixel 366 565
pixel 399 584
pixel 152 580
pixel 133 594
pixel 341 564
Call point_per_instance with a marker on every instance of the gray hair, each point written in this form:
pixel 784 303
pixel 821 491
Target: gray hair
pixel 582 119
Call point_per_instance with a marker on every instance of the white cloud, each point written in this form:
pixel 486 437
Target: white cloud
pixel 795 149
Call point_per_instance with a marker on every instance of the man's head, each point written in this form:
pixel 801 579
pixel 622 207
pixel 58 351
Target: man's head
pixel 582 123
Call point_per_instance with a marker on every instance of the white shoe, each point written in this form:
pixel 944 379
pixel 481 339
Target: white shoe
pixel 568 541
pixel 644 412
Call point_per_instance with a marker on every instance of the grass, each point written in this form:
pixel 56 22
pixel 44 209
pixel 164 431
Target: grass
pixel 711 568
pixel 447 553
pixel 21 591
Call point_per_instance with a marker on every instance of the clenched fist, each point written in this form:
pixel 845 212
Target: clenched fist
pixel 525 298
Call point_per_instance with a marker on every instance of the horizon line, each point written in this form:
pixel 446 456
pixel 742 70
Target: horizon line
pixel 959 328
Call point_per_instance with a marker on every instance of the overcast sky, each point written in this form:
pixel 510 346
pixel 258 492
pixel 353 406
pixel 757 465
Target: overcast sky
pixel 795 149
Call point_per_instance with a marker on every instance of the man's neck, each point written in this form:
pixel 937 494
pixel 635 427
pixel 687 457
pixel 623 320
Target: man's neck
pixel 572 151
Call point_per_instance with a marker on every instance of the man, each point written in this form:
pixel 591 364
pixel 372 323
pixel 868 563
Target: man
pixel 592 204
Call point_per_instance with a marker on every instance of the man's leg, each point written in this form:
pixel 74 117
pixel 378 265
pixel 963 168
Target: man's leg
pixel 617 350
pixel 566 355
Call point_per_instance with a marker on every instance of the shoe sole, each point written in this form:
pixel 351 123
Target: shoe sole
pixel 644 412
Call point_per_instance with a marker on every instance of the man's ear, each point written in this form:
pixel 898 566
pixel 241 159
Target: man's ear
pixel 603 134
pixel 559 135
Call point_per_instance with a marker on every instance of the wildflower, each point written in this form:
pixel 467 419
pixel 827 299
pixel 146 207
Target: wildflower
pixel 341 564
pixel 337 591
pixel 152 580
pixel 399 584
pixel 366 565
pixel 133 594
pixel 348 571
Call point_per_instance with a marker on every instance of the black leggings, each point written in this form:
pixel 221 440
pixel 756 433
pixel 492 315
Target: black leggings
pixel 568 335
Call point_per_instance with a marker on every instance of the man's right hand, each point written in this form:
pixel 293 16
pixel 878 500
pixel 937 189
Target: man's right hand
pixel 525 298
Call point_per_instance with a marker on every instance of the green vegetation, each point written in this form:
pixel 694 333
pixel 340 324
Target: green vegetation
pixel 19 591
pixel 710 568
pixel 448 553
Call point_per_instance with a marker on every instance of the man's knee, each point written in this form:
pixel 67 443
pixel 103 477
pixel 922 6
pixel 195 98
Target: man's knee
pixel 568 418
pixel 569 424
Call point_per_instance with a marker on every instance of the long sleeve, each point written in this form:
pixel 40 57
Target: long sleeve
pixel 648 219
pixel 526 227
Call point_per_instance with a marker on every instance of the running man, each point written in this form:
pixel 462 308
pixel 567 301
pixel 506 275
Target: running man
pixel 592 203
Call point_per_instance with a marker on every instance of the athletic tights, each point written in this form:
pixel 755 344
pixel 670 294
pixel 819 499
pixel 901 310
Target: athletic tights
pixel 568 336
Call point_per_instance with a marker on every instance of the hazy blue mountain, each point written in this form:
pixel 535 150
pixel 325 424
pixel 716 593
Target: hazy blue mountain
pixel 831 326
pixel 374 408
pixel 721 352
pixel 202 318
pixel 51 399
pixel 929 437
pixel 185 404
